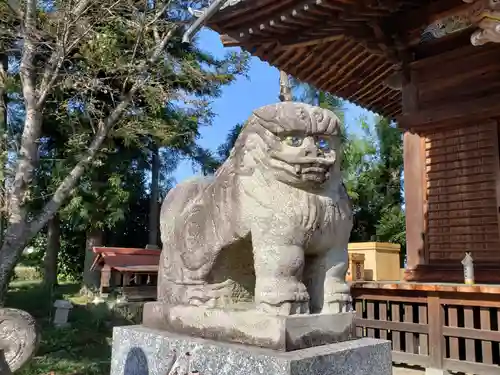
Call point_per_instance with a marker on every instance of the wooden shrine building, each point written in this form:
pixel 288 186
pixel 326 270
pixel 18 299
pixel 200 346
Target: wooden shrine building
pixel 133 273
pixel 432 66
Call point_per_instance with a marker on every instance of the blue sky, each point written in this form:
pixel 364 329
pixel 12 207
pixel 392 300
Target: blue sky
pixel 239 99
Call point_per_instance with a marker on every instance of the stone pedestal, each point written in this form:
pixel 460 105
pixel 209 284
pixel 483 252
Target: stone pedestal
pixel 284 333
pixel 138 350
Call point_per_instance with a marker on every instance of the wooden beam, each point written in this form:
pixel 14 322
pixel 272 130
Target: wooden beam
pixel 452 113
pixel 311 42
pixel 442 46
pixel 403 24
pixel 229 41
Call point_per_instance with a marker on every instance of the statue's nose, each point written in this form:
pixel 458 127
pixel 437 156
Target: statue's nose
pixel 310 148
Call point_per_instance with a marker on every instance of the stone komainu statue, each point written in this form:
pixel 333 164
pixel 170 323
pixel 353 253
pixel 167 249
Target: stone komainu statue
pixel 18 339
pixel 271 227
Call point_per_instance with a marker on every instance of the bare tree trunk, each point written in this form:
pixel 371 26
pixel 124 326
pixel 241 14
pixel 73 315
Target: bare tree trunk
pixel 91 279
pixel 4 66
pixel 15 235
pixel 53 247
pixel 154 207
pixel 285 88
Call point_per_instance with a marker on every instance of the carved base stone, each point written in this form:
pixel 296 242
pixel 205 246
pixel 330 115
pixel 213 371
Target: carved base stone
pixel 138 350
pixel 284 333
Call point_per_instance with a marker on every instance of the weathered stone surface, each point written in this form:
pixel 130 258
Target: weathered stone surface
pixel 271 227
pixel 142 351
pixel 61 315
pixel 251 327
pixel 18 339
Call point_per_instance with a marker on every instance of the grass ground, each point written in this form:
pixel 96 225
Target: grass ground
pixel 83 349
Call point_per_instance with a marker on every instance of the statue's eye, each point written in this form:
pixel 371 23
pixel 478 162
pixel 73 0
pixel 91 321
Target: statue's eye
pixel 323 144
pixel 293 140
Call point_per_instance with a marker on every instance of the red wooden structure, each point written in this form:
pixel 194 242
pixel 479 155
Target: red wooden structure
pixel 131 272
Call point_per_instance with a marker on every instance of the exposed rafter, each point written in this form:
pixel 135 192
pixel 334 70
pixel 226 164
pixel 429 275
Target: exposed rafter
pixel 348 47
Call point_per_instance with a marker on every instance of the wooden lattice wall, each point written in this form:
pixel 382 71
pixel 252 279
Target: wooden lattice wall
pixel 461 213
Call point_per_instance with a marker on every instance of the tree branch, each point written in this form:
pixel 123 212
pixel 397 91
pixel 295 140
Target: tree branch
pixel 15 6
pixel 103 128
pixel 57 57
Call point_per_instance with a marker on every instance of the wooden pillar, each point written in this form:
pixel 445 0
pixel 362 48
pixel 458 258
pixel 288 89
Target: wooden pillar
pixel 414 181
pixel 105 279
pixel 414 184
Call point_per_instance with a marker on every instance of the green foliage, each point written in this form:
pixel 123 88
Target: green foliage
pixel 373 173
pixel 106 58
pixel 26 273
pixel 224 149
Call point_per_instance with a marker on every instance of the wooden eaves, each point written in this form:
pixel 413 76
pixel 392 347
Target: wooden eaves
pixel 353 49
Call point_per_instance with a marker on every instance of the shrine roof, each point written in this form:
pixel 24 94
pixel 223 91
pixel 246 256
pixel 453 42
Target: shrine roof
pixel 127 259
pixel 347 47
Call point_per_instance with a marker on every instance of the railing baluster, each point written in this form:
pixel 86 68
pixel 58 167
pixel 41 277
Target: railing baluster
pixel 453 322
pixel 409 336
pixel 396 335
pixel 436 338
pixel 486 346
pixel 470 350
pixel 423 338
pixel 370 308
pixel 359 315
pixel 382 312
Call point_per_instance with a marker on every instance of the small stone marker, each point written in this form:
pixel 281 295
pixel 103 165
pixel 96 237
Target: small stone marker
pixel 468 264
pixel 63 308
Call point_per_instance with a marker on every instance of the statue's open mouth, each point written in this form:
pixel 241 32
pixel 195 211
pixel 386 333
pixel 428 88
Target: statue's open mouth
pixel 307 169
pixel 317 172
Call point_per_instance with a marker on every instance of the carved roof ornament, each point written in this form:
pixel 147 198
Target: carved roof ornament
pixel 483 14
pixel 446 26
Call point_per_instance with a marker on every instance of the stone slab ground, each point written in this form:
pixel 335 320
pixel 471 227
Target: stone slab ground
pixel 400 370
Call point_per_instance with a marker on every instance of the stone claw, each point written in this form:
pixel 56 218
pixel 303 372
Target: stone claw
pixel 285 308
pixel 338 303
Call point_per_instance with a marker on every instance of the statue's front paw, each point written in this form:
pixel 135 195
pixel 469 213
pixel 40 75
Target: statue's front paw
pixel 337 303
pixel 285 308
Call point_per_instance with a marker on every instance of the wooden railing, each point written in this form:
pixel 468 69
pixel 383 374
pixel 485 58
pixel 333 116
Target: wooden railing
pixel 448 326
